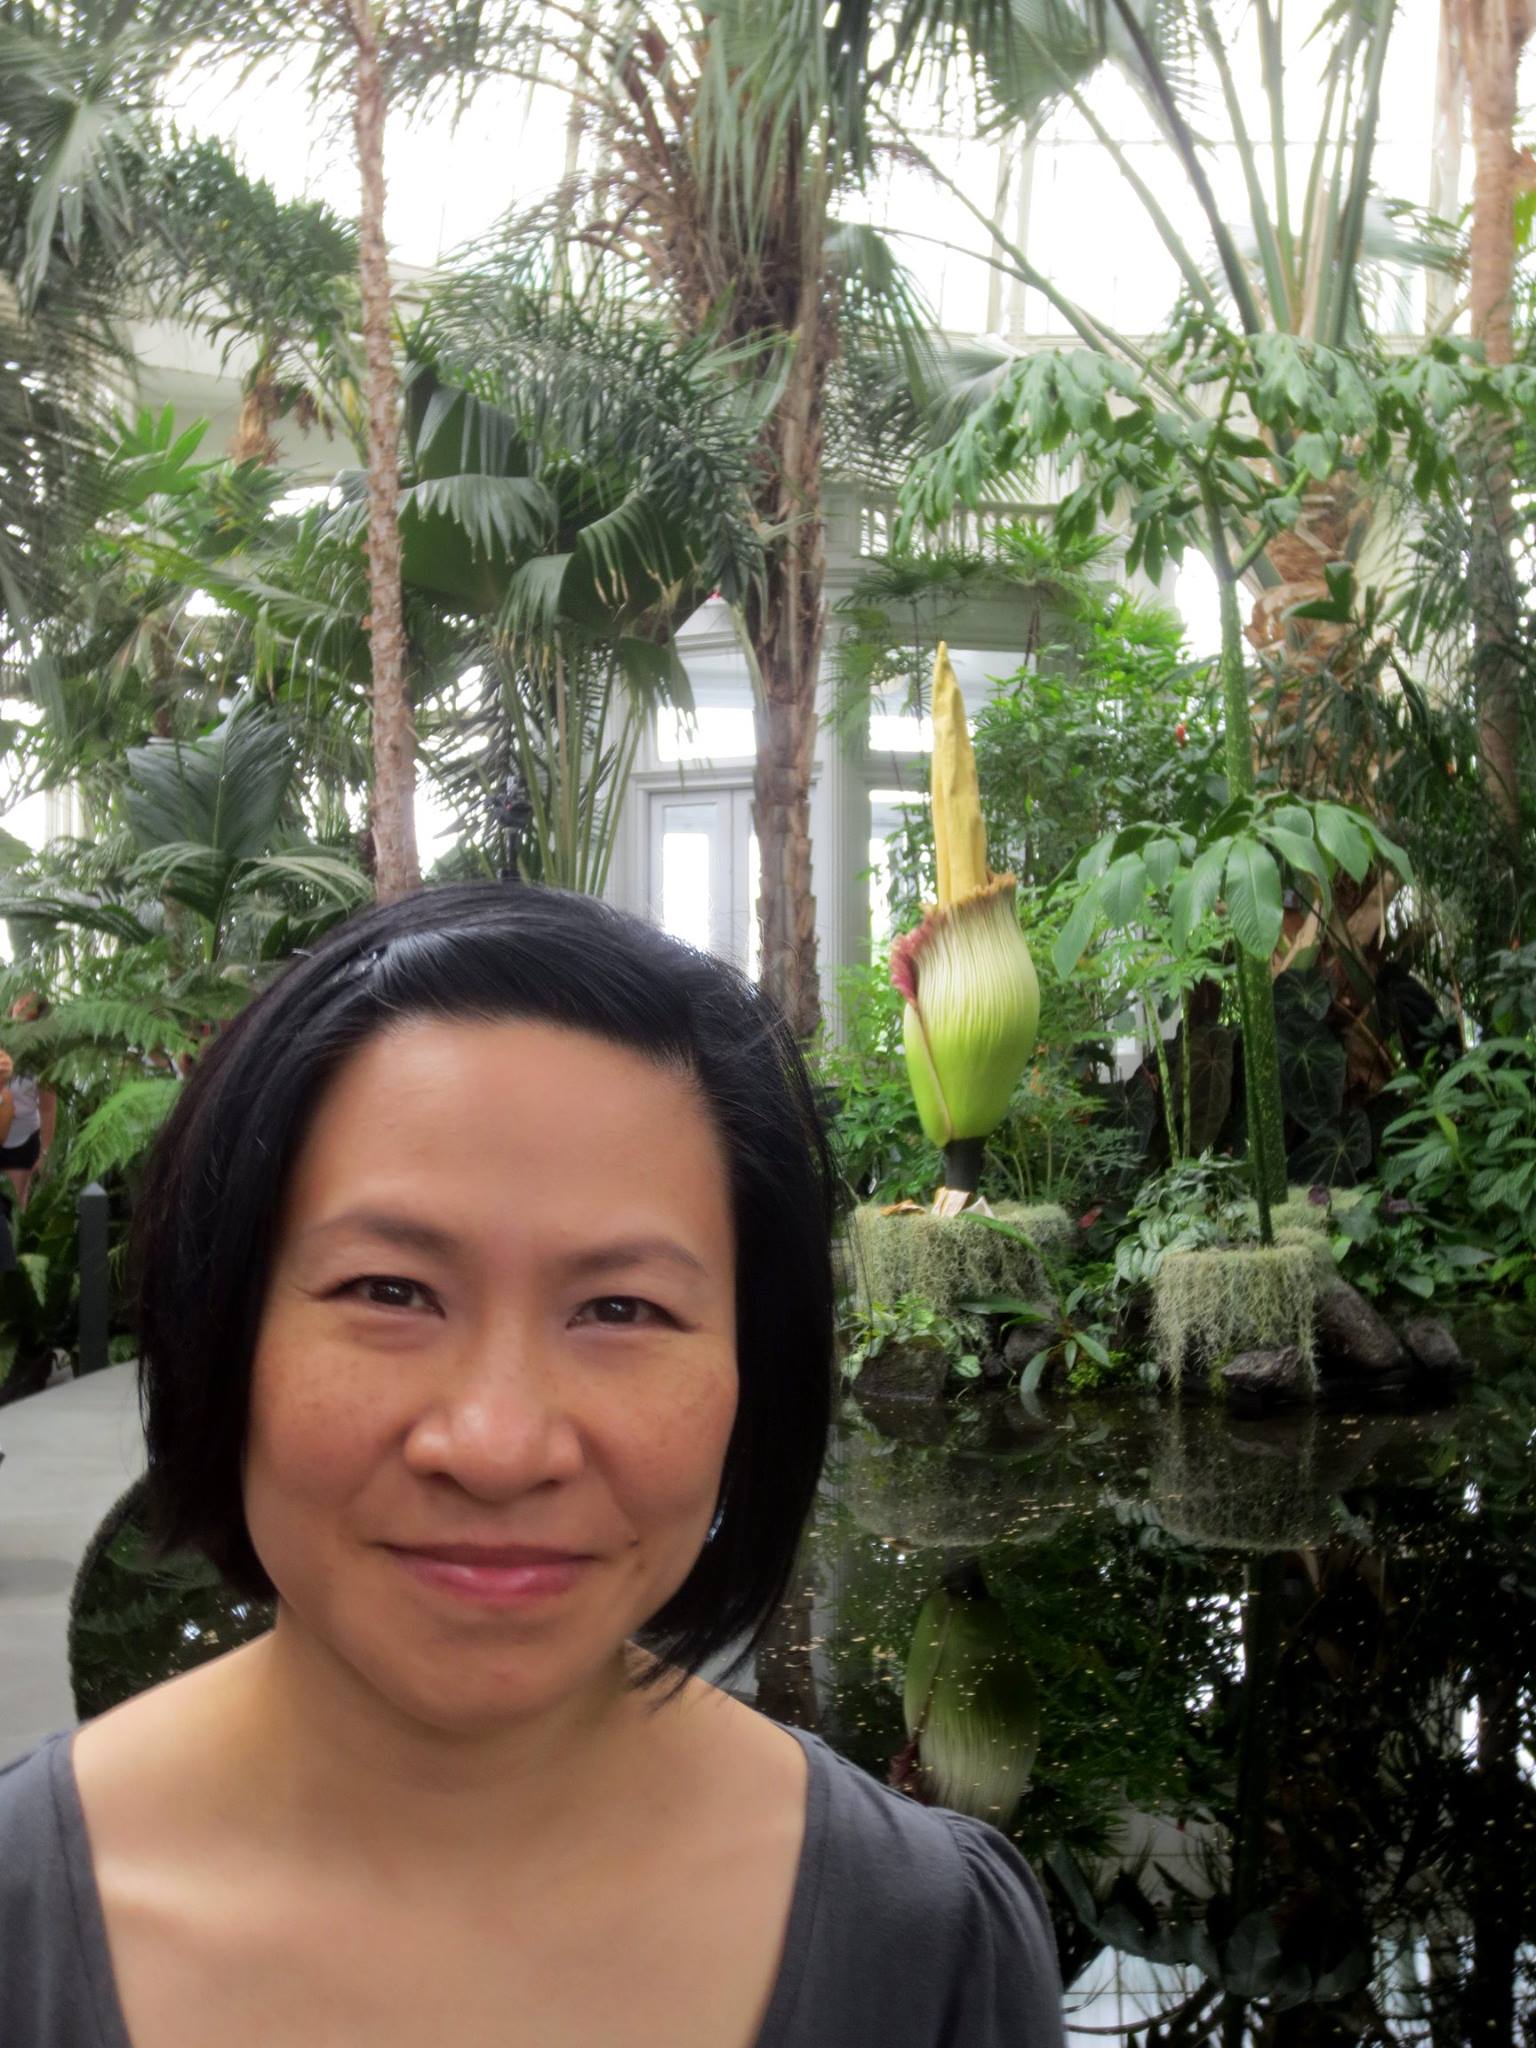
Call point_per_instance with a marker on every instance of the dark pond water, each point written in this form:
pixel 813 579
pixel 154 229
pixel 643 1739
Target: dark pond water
pixel 1254 1697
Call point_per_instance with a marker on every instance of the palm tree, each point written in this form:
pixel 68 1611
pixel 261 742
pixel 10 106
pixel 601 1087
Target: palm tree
pixel 278 275
pixel 371 55
pixel 1491 35
pixel 723 139
pixel 1309 261
pixel 77 90
pixel 572 489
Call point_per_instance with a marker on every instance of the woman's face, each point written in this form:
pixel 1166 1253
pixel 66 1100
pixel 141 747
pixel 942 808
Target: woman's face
pixel 495 1375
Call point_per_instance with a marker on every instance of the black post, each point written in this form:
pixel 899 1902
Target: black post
pixel 92 1207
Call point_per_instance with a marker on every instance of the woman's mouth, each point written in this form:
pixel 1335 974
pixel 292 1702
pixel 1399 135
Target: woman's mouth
pixel 492 1575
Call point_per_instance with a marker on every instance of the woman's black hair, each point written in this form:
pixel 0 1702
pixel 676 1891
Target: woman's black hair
pixel 207 1217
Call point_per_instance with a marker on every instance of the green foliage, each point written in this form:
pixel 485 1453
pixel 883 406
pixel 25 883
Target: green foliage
pixel 1464 1151
pixel 1142 443
pixel 136 1619
pixel 951 1259
pixel 1391 1249
pixel 1214 1289
pixel 120 1130
pixel 877 1140
pixel 1234 868
pixel 1192 1205
pixel 869 1327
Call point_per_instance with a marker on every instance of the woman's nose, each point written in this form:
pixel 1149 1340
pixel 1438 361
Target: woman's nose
pixel 501 1424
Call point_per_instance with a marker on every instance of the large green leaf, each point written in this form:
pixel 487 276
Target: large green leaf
pixel 225 794
pixel 1312 1071
pixel 1254 901
pixel 1194 895
pixel 1334 1156
pixel 1338 832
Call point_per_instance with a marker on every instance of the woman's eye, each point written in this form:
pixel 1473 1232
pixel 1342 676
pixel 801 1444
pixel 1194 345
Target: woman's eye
pixel 621 1311
pixel 386 1290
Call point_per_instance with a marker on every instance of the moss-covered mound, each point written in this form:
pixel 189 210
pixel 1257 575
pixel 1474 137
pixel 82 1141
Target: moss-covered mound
pixel 1208 1305
pixel 950 1259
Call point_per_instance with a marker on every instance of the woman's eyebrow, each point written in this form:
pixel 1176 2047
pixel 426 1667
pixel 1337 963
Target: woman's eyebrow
pixel 634 1251
pixel 403 1231
pixel 411 1235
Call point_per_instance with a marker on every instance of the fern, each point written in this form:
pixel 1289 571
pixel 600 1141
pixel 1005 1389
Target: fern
pixel 113 1021
pixel 122 1128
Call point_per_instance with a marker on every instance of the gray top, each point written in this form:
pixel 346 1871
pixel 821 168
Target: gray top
pixel 910 1927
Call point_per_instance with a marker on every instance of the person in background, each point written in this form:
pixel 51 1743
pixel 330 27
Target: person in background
pixel 27 1110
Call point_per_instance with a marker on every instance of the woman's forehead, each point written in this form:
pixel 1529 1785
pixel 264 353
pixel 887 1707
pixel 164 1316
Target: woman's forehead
pixel 513 1120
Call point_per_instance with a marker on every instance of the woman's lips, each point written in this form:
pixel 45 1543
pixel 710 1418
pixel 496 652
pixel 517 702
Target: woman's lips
pixel 510 1575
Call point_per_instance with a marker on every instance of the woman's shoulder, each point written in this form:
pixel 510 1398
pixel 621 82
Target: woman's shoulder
pixel 937 1910
pixel 50 1973
pixel 29 1817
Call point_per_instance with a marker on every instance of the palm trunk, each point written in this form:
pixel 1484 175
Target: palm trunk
pixel 397 869
pixel 784 625
pixel 253 439
pixel 1493 33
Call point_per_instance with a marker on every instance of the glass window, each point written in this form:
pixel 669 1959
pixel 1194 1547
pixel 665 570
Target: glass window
pixel 714 732
pixel 897 727
pixel 887 818
pixel 688 839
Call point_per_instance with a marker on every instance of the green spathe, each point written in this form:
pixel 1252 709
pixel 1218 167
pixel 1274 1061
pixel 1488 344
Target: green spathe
pixel 972 1012
pixel 972 1704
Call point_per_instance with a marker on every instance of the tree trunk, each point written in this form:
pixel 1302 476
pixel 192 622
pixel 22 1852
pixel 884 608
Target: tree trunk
pixel 398 870
pixel 784 625
pixel 1493 34
pixel 1255 988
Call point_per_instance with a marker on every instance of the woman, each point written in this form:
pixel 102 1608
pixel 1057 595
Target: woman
pixel 28 1111
pixel 486 1316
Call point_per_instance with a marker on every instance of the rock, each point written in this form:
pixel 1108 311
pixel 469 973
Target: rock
pixel 1352 1337
pixel 1027 1340
pixel 1432 1346
pixel 912 1371
pixel 1265 1379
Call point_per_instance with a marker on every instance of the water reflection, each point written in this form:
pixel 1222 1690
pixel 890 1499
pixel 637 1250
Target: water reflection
pixel 1256 1697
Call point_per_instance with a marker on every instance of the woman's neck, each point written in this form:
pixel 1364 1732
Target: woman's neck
pixel 322 1752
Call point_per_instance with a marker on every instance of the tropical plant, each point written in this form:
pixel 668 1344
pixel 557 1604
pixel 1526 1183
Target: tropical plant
pixel 1464 1151
pixel 972 1001
pixel 77 86
pixel 868 1327
pixel 1309 259
pixel 209 832
pixel 1224 478
pixel 726 142
pixel 277 276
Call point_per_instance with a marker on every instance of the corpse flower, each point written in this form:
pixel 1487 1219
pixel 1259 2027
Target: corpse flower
pixel 973 1003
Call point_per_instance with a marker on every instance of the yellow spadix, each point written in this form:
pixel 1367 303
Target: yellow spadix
pixel 973 1003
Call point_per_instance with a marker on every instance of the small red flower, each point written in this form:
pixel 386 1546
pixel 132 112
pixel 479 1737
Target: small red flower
pixel 1180 733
